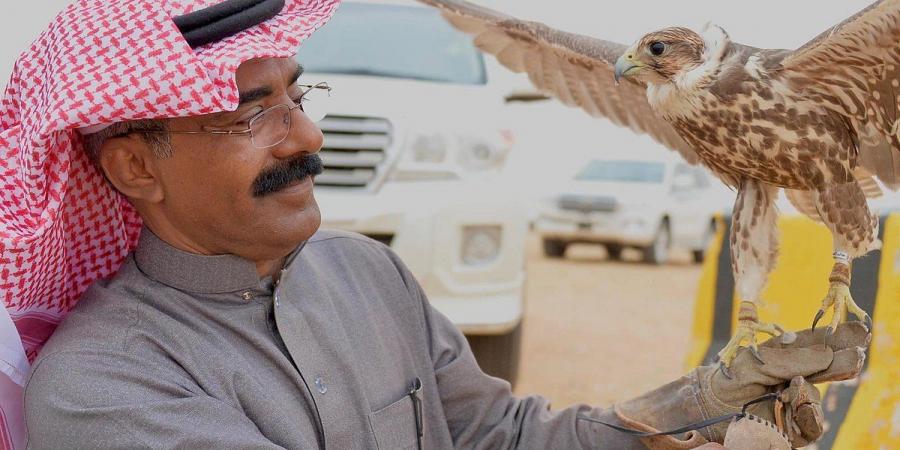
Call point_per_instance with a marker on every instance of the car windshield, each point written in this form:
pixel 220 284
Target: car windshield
pixel 628 171
pixel 392 41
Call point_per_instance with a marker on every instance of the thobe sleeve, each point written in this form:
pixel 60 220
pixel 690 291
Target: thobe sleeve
pixel 115 400
pixel 482 412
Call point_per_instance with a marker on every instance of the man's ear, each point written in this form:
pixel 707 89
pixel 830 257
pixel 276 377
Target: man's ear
pixel 129 164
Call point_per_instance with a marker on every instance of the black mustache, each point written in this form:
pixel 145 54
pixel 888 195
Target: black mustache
pixel 278 177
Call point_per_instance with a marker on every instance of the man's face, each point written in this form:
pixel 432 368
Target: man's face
pixel 223 194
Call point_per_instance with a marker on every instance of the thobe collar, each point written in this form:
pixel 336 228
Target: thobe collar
pixel 191 272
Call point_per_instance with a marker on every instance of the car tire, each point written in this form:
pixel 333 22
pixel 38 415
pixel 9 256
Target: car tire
pixel 658 251
pixel 555 248
pixel 498 355
pixel 614 251
pixel 700 254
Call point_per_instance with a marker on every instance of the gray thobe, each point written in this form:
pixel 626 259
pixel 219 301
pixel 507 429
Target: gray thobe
pixel 179 350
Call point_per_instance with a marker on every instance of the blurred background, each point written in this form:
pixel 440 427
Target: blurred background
pixel 569 250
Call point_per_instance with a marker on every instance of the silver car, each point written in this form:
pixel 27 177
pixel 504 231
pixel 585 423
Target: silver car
pixel 649 204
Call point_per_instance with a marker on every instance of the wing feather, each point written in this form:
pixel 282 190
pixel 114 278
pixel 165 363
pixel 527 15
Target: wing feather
pixel 805 201
pixel 465 24
pixel 492 41
pixel 535 70
pixel 585 91
pixel 577 70
pixel 512 56
pixel 854 68
pixel 869 187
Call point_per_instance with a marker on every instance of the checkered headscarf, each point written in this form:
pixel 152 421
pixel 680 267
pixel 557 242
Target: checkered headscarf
pixel 100 62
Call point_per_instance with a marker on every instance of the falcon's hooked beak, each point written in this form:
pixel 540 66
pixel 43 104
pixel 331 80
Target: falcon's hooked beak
pixel 627 64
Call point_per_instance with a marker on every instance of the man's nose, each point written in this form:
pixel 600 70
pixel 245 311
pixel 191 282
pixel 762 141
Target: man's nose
pixel 303 137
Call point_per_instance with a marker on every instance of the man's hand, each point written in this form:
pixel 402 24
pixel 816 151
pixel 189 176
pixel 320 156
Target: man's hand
pixel 790 364
pixel 786 358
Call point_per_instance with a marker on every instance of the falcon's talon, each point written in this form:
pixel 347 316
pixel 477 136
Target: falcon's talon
pixel 755 353
pixel 829 336
pixel 725 372
pixel 840 299
pixel 745 336
pixel 819 314
pixel 867 322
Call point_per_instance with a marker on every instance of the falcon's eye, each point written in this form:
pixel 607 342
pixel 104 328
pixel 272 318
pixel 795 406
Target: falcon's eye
pixel 657 48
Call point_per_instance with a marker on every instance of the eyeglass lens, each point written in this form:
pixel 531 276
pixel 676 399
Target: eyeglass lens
pixel 315 102
pixel 271 127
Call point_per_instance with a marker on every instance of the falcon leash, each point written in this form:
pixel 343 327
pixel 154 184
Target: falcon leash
pixel 690 427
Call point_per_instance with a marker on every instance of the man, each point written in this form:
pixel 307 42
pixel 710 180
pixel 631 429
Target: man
pixel 235 323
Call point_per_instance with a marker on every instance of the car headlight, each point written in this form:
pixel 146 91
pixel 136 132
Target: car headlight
pixel 425 158
pixel 480 244
pixel 481 154
pixel 439 156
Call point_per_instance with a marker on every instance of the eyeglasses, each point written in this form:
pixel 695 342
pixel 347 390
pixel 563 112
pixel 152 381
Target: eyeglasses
pixel 271 126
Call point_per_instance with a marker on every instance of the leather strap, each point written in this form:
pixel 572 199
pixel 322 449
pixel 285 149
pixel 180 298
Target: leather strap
pixel 686 428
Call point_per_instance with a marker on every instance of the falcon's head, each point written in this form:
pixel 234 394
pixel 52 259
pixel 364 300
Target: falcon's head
pixel 670 54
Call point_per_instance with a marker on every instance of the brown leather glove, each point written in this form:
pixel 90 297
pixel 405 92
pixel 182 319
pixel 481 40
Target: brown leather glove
pixel 798 422
pixel 707 393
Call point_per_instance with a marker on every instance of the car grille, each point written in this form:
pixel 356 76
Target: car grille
pixel 354 151
pixel 583 203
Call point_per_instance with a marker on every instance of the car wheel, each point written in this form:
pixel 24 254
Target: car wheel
pixel 555 248
pixel 700 254
pixel 498 355
pixel 614 251
pixel 658 251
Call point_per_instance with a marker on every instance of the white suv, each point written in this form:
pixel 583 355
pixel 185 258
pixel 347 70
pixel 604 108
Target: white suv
pixel 649 200
pixel 413 144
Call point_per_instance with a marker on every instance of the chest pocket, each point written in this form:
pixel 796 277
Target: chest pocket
pixel 400 425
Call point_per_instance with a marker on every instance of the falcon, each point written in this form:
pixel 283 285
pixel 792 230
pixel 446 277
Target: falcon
pixel 820 122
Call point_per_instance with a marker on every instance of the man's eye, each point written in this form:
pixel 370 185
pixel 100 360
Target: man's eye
pixel 248 116
pixel 245 120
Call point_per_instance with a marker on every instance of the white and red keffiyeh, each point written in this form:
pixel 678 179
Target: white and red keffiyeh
pixel 100 61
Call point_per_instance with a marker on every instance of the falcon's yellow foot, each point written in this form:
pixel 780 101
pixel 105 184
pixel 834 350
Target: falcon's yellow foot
pixel 840 299
pixel 748 326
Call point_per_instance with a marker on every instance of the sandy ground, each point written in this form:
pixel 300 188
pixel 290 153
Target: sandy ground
pixel 598 331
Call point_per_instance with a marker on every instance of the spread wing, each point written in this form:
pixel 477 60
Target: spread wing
pixel 577 70
pixel 854 68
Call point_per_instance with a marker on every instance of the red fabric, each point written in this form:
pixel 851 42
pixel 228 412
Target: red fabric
pixel 101 61
pixel 12 423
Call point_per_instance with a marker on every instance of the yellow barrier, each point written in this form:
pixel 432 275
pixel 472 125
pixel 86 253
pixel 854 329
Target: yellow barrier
pixel 861 414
